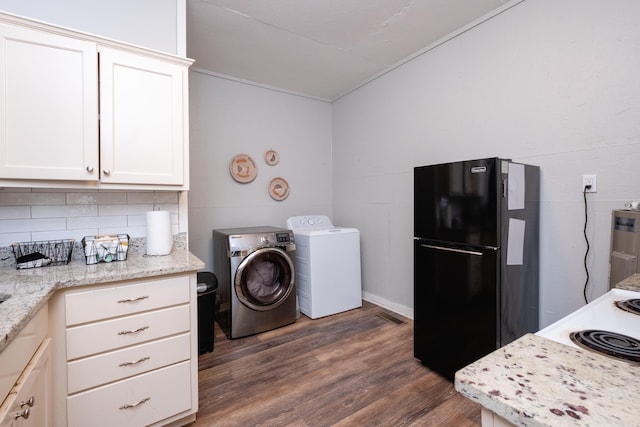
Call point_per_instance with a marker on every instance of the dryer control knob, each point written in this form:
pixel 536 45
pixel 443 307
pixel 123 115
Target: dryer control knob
pixel 264 240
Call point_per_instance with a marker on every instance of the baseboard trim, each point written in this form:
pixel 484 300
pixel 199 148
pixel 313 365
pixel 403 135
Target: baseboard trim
pixel 389 305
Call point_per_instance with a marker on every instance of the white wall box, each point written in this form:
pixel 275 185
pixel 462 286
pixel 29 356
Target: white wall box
pixel 81 111
pixel 26 365
pixel 119 345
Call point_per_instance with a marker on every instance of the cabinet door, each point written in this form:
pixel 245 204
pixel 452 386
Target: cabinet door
pixel 31 405
pixel 142 125
pixel 48 106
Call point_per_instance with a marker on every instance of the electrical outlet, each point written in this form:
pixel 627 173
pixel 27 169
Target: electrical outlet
pixel 589 180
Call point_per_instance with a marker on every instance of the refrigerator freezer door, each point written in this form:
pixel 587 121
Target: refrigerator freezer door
pixel 459 202
pixel 456 305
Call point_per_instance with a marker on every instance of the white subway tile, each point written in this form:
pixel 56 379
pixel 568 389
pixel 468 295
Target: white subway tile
pixel 14 212
pixel 82 198
pixel 105 210
pixel 96 222
pixel 33 199
pixel 155 197
pixel 137 220
pixel 32 225
pixel 131 231
pixel 63 211
pixel 112 198
pixel 61 234
pixel 7 239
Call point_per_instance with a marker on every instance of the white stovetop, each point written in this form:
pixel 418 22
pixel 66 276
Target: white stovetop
pixel 601 314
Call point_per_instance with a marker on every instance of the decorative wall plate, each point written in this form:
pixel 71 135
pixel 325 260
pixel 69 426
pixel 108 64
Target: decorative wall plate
pixel 271 157
pixel 243 169
pixel 279 189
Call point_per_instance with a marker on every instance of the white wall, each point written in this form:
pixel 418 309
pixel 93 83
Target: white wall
pixel 549 83
pixel 229 118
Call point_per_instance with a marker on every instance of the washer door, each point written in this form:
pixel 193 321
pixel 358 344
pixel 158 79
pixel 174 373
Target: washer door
pixel 264 279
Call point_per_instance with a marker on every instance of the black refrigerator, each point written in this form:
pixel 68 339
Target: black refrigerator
pixel 476 226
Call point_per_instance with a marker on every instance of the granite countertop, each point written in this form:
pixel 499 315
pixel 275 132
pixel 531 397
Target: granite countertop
pixel 535 381
pixel 538 382
pixel 30 289
pixel 631 283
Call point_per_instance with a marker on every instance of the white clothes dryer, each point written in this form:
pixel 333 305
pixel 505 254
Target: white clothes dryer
pixel 327 261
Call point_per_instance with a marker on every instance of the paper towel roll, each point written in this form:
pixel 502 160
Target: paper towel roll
pixel 159 237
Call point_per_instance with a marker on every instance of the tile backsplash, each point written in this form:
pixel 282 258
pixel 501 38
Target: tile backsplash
pixel 50 214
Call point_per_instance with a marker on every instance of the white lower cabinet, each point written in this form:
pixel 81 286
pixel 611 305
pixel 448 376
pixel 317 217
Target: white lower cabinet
pixel 126 353
pixel 32 404
pixel 491 419
pixel 28 402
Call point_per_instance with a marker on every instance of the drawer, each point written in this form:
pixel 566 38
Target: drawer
pixel 105 368
pixel 86 340
pixel 114 301
pixel 17 354
pixel 137 401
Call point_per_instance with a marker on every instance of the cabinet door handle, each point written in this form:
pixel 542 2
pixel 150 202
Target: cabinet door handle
pixel 135 362
pixel 24 414
pixel 133 331
pixel 133 405
pixel 133 299
pixel 29 402
pixel 89 168
pixel 106 171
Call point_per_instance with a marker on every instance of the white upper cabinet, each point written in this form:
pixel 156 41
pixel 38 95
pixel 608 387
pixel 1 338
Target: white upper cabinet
pixel 49 106
pixel 141 119
pixel 79 111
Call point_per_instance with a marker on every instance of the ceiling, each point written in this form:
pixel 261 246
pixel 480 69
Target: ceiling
pixel 321 48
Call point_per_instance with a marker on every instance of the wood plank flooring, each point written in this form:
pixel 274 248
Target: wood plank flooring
pixel 350 369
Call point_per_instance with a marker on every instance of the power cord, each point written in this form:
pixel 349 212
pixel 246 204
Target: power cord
pixel 586 269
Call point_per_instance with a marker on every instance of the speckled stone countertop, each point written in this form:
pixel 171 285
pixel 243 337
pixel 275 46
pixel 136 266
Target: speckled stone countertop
pixel 535 381
pixel 538 382
pixel 631 283
pixel 30 289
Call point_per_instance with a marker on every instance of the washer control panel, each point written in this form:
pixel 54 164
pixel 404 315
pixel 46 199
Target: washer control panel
pixel 251 239
pixel 309 221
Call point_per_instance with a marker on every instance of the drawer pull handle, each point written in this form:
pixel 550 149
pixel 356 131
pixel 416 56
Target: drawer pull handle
pixel 133 299
pixel 134 363
pixel 29 402
pixel 133 331
pixel 24 414
pixel 129 406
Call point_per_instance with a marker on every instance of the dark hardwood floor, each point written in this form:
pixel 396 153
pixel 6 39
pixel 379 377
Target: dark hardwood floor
pixel 349 369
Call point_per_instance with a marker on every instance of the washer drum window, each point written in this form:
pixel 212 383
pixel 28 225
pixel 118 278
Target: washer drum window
pixel 264 279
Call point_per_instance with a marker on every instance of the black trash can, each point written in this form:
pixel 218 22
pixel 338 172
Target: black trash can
pixel 207 286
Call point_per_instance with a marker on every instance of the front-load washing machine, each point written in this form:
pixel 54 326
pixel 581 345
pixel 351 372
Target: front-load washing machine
pixel 256 279
pixel 328 277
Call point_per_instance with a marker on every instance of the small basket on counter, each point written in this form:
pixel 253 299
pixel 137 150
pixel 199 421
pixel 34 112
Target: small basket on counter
pixel 42 253
pixel 105 248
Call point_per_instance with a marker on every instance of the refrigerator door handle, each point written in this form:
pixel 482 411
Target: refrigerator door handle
pixel 442 248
